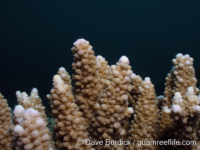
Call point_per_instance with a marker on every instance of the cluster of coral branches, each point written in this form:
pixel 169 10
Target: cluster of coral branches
pixel 106 108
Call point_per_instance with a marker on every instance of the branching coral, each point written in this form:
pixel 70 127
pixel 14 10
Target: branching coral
pixel 30 131
pixel 142 127
pixel 5 120
pixel 70 125
pixel 106 103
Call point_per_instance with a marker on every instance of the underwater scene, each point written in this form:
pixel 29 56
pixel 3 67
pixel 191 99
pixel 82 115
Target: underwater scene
pixel 100 75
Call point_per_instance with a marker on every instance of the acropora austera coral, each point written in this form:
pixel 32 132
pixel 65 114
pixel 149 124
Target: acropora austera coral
pixel 106 108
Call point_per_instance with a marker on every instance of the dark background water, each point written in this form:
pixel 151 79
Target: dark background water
pixel 37 36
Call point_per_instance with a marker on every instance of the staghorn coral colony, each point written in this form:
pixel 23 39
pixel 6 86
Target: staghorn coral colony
pixel 106 108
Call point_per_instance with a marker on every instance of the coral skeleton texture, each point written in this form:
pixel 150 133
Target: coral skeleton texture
pixel 106 108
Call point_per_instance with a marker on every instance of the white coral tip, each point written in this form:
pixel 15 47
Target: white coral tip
pixel 32 112
pixel 133 75
pixel 18 109
pixel 100 58
pixel 61 69
pixel 196 108
pixel 166 110
pixel 187 62
pixel 179 55
pixel 147 80
pixel 18 129
pixel 190 90
pixel 176 108
pixel 130 110
pixel 79 41
pixel 124 59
